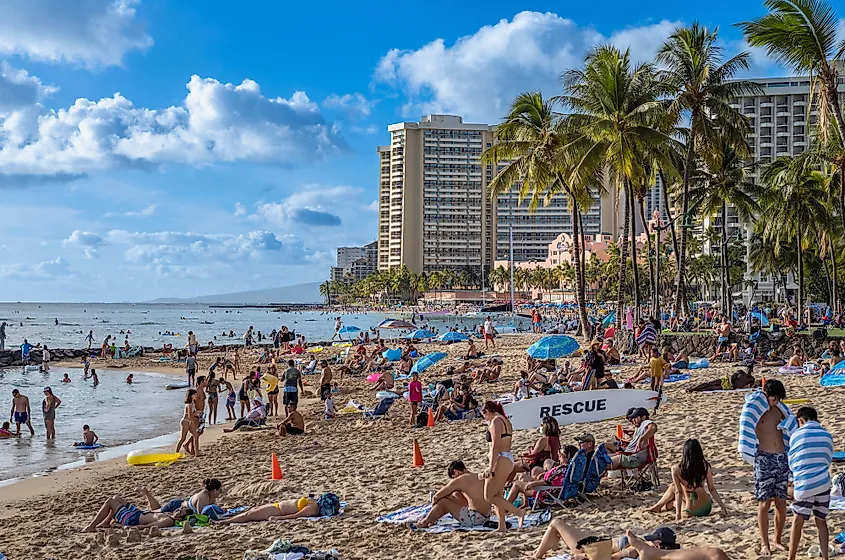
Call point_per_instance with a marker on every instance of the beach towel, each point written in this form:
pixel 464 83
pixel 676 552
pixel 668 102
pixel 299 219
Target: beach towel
pixel 753 409
pixel 699 364
pixel 832 380
pixel 672 378
pixel 647 336
pixel 837 503
pixel 447 523
pixel 791 369
pixel 810 456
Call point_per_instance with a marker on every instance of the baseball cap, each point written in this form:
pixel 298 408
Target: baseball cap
pixel 46 389
pixel 586 437
pixel 665 535
pixel 636 412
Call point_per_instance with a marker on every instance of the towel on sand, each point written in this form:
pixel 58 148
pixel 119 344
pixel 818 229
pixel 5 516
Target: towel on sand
pixel 448 523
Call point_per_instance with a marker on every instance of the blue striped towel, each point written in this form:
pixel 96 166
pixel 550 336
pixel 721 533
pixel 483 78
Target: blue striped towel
pixel 647 336
pixel 810 457
pixel 753 409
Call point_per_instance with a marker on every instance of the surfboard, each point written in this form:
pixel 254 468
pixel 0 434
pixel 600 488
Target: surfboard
pixel 580 406
pixel 172 386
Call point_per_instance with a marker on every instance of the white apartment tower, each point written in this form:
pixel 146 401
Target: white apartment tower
pixel 433 208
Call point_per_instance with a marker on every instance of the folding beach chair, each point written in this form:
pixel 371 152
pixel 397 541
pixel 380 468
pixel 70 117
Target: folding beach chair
pixel 573 482
pixel 380 410
pixel 598 466
pixel 645 472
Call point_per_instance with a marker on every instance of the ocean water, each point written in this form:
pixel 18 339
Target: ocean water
pixel 119 413
pixel 37 323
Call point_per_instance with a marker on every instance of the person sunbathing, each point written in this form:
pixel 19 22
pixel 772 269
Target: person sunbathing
pixel 461 402
pixel 739 379
pixel 119 510
pixel 254 417
pixel 680 360
pixel 798 357
pixel 540 380
pixel 613 356
pixel 549 473
pixel 773 360
pixel 288 509
pixel 582 544
pixel 385 382
pixel 212 490
pixel 490 372
pixel 462 497
pixel 405 364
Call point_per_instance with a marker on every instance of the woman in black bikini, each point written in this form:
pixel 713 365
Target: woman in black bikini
pixel 499 435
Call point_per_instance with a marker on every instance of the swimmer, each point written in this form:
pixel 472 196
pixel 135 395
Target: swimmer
pixel 66 379
pixel 129 378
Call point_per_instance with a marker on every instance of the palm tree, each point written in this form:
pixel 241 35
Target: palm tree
pixel 326 291
pixel 801 34
pixel 617 119
pixel 794 208
pixel 530 139
pixel 703 93
pixel 723 182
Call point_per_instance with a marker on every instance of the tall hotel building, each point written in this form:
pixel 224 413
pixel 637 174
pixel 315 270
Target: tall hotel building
pixel 433 208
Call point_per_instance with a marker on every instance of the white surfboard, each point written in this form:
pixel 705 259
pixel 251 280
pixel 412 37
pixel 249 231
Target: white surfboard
pixel 580 406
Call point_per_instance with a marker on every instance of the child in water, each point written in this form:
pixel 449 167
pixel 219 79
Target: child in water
pixel 88 436
pixel 66 379
pixel 5 431
pixel 129 378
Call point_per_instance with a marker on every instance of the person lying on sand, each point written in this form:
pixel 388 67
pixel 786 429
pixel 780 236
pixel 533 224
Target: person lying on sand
pixel 119 510
pixel 662 543
pixel 212 490
pixel 293 424
pixel 739 379
pixel 326 505
pixel 462 497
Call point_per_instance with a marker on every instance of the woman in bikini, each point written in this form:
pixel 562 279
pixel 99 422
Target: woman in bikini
pixel 187 421
pixel 48 406
pixel 499 435
pixel 277 511
pixel 687 492
pixel 212 392
pixel 547 447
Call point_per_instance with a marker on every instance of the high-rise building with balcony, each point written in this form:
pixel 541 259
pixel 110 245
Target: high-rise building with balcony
pixel 433 208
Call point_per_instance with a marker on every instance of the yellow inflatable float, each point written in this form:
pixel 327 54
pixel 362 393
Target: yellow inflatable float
pixel 316 349
pixel 152 457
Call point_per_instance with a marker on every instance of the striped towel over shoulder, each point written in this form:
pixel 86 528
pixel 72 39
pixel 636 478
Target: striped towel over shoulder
pixel 755 406
pixel 810 457
pixel 648 335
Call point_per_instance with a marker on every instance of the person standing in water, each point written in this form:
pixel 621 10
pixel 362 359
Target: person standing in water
pixel 94 377
pixel 45 360
pixel 21 412
pixel 49 405
pixel 86 365
pixel 2 336
pixel 90 338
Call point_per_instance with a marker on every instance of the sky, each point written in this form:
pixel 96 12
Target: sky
pixel 153 148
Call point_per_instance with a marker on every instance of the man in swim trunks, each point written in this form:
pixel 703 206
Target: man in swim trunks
pixel 462 497
pixel 191 368
pixel 293 424
pixel 771 468
pixel 293 384
pixel 118 509
pixel 20 413
pixel 723 333
pixel 325 380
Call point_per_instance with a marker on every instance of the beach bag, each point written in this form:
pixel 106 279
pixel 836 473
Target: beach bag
pixel 329 504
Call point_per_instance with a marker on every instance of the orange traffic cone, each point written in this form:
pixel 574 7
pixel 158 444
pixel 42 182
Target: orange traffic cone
pixel 418 460
pixel 430 422
pixel 275 469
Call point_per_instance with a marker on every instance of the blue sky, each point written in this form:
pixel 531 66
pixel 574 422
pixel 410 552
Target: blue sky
pixel 153 148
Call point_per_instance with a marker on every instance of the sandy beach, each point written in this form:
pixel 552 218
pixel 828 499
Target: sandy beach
pixel 367 463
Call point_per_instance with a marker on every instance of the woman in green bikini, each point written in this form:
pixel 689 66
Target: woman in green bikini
pixel 687 490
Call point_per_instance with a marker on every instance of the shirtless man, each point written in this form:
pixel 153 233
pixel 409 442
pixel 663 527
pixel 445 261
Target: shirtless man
pixel 463 497
pixel 199 405
pixel 723 332
pixel 293 424
pixel 20 412
pixel 325 380
pixel 771 468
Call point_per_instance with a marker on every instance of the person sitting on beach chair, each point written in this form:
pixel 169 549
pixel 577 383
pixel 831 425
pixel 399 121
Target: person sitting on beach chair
pixel 385 382
pixel 255 418
pixel 462 497
pixel 635 453
pixel 549 473
pixel 461 403
pixel 326 505
pixel 547 447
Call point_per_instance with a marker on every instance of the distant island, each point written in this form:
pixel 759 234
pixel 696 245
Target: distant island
pixel 298 293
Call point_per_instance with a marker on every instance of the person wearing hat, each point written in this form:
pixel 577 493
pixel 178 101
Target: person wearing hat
pixel 588 444
pixel 635 453
pixel 254 418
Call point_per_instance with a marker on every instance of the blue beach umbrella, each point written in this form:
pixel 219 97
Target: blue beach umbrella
pixel 764 321
pixel 348 329
pixel 427 361
pixel 553 346
pixel 452 336
pixel 419 334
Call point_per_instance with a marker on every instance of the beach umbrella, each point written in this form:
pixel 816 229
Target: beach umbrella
pixel 396 324
pixel 452 336
pixel 764 321
pixel 609 319
pixel 420 334
pixel 348 329
pixel 553 346
pixel 427 361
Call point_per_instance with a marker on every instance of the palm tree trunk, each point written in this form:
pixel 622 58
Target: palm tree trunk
pixel 800 305
pixel 832 94
pixel 727 298
pixel 577 247
pixel 623 263
pixel 834 305
pixel 636 269
pixel 680 295
pixel 651 276
pixel 828 281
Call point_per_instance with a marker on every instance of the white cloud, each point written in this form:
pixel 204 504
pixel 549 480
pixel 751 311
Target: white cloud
pixel 480 74
pixel 240 210
pixel 18 89
pixel 369 129
pixel 355 105
pixel 86 240
pixel 49 270
pixel 89 32
pixel 143 213
pixel 315 205
pixel 372 207
pixel 217 123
